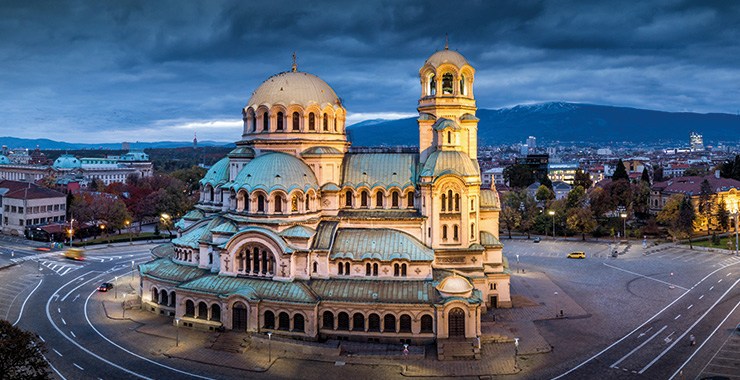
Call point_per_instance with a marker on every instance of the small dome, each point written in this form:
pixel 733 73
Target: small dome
pixel 67 161
pixel 446 56
pixel 443 162
pixel 454 285
pixel 242 152
pixel 294 87
pixel 320 151
pixel 217 174
pixel 276 170
pixel 4 160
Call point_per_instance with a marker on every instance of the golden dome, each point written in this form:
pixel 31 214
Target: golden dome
pixel 454 285
pixel 294 87
pixel 446 56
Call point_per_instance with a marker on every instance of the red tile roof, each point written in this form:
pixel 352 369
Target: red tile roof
pixel 28 190
pixel 692 185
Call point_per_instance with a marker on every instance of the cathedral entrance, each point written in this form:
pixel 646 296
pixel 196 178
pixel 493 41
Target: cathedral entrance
pixel 456 323
pixel 239 317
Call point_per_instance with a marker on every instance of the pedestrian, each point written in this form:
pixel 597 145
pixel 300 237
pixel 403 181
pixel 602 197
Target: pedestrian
pixel 692 339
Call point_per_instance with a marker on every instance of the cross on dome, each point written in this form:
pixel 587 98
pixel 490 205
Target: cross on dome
pixel 294 68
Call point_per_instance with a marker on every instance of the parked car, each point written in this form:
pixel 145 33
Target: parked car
pixel 577 255
pixel 104 287
pixel 537 239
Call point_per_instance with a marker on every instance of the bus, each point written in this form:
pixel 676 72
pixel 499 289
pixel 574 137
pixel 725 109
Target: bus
pixel 75 254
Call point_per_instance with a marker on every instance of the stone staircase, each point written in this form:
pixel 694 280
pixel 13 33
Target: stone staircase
pixel 464 349
pixel 230 342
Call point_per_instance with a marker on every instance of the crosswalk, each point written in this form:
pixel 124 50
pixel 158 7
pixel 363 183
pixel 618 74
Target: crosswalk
pixel 60 268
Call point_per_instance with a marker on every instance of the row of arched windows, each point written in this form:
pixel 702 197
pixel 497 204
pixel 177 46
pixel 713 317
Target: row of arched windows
pixel 284 321
pixel 378 199
pixel 162 297
pixel 212 313
pixel 293 123
pixel 456 232
pixel 447 85
pixel 259 202
pixel 450 201
pixel 371 269
pixel 255 261
pixel 183 254
pixel 373 323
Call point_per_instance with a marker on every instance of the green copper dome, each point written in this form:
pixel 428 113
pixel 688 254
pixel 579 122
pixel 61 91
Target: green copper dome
pixel 273 171
pixel 67 161
pixel 217 174
pixel 4 160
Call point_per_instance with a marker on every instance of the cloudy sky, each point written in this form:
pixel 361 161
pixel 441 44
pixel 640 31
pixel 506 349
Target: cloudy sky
pixel 110 71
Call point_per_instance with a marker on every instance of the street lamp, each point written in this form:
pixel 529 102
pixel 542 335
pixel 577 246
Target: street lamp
pixel 269 348
pixel 165 219
pixel 624 224
pixel 71 231
pixel 516 351
pixel 132 270
pixel 123 307
pixel 116 288
pixel 130 237
pixel 177 332
pixel 552 213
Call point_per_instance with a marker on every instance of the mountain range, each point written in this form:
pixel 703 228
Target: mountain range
pixel 565 122
pixel 549 122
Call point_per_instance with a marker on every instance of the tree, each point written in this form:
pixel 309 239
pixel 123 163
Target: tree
pixel 518 176
pixel 545 181
pixel 678 215
pixel 686 218
pixel 645 176
pixel 705 204
pixel 641 199
pixel 582 179
pixel 620 172
pixel 510 215
pixel 731 168
pixel 723 216
pixel 580 220
pixel 668 215
pixel 544 194
pixel 601 202
pixel 576 198
pixel 21 354
pixel 658 174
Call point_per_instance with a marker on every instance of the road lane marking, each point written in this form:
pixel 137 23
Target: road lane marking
pixel 687 331
pixel 58 353
pixel 23 305
pixel 615 364
pixel 59 310
pixel 75 364
pixel 66 271
pixel 42 338
pixel 720 280
pixel 678 316
pixel 711 288
pixel 701 296
pixel 63 321
pixel 646 331
pixel 728 275
pixel 690 306
pixel 668 338
pixel 642 275
pixel 703 343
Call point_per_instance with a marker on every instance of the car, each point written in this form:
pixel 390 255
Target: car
pixel 104 287
pixel 537 239
pixel 577 255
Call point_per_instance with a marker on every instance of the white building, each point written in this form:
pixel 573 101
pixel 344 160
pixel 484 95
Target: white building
pixel 25 204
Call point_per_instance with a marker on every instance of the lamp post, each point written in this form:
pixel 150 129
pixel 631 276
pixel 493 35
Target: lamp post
pixel 115 290
pixel 552 213
pixel 130 237
pixel 132 270
pixel 269 348
pixel 71 231
pixel 177 332
pixel 165 219
pixel 516 351
pixel 123 306
pixel 624 224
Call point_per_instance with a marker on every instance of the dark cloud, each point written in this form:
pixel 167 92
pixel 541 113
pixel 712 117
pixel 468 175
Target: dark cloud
pixel 106 70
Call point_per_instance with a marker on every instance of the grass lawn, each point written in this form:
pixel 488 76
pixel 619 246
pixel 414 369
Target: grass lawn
pixel 722 243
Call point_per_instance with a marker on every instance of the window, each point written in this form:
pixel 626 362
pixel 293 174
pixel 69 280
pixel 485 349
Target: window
pixel 280 121
pixel 260 203
pixel 326 122
pixel 375 269
pixel 447 84
pixel 265 122
pixel 427 324
pixel 457 202
pixel 394 199
pixel 449 137
pixel 311 122
pixel 269 322
pixel 368 269
pixel 472 230
pixel 389 323
pixel 343 321
pixel 340 268
pixel 299 323
pixel 444 202
pixel 278 204
pixel 346 269
pixel 348 198
pixel 283 321
pixel 472 205
pixel 294 204
pixel 296 121
pixel 315 267
pixel 455 232
pixel 396 270
pixel 358 322
pixel 403 270
pixel 463 90
pixel 364 196
pixel 449 200
pixel 379 199
pixel 433 85
pixel 189 308
pixel 405 324
pixel 373 323
pixel 410 199
pixel 202 310
pixel 328 320
pixel 215 312
pixel 155 295
pixel 444 232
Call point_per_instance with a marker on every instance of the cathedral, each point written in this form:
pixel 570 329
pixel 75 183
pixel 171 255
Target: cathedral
pixel 298 235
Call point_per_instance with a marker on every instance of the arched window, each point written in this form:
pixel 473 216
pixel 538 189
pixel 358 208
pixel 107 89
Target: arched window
pixel 375 269
pixel 315 267
pixel 155 295
pixel 328 320
pixel 215 312
pixel 472 230
pixel 172 299
pixel 260 203
pixel 326 122
pixel 346 268
pixel 405 324
pixel 395 199
pixel 373 323
pixel 343 321
pixel 358 322
pixel 311 122
pixel 447 80
pixel 449 137
pixel 427 324
pixel 403 270
pixel 379 199
pixel 457 202
pixel 283 321
pixel 463 89
pixel 472 204
pixel 449 200
pixel 265 122
pixel 444 202
pixel 433 85
pixel 278 204
pixel 368 269
pixel 364 197
pixel 340 268
pixel 307 208
pixel 396 270
pixel 189 308
pixel 269 322
pixel 410 199
pixel 335 123
pixel 389 323
pixel 299 323
pixel 455 232
pixel 294 204
pixel 163 297
pixel 348 198
pixel 202 310
pixel 296 121
pixel 280 121
pixel 444 232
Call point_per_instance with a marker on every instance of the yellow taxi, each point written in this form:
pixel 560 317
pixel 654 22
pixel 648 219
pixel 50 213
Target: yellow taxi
pixel 577 255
